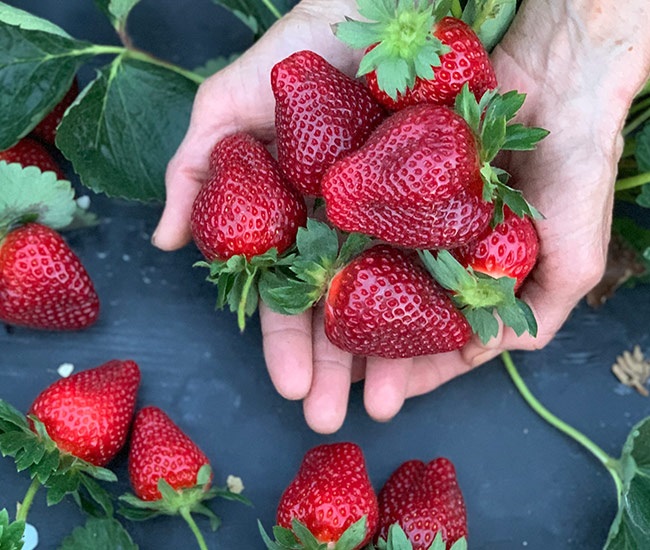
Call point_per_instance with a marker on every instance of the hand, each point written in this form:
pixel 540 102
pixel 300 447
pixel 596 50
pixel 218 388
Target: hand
pixel 567 76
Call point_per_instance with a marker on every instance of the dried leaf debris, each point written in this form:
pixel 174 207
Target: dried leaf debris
pixel 633 370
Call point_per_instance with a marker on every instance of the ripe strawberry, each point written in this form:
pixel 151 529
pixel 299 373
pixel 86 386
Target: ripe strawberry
pixel 160 449
pixel 330 493
pixel 424 499
pixel 245 207
pixel 29 152
pixel 415 54
pixel 88 414
pixel 321 114
pixel 43 284
pixel 46 128
pixel 416 182
pixel 507 250
pixel 384 303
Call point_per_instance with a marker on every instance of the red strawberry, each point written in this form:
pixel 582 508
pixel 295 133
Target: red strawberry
pixel 46 128
pixel 416 182
pixel 384 303
pixel 245 207
pixel 43 284
pixel 414 54
pixel 88 414
pixel 424 499
pixel 330 492
pixel 29 152
pixel 507 250
pixel 160 449
pixel 321 114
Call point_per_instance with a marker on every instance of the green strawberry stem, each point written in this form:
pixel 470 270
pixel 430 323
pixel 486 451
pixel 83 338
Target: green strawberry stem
pixel 640 106
pixel 271 7
pixel 612 465
pixel 243 299
pixel 632 181
pixel 187 516
pixel 456 9
pixel 636 122
pixel 26 504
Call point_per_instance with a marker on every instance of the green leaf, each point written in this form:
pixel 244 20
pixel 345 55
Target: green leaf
pixel 642 149
pixel 212 66
pixel 11 534
pixel 117 10
pixel 490 19
pixel 638 238
pixel 128 123
pixel 257 15
pixel 643 198
pixel 99 534
pixel 31 195
pixel 27 21
pixel 37 69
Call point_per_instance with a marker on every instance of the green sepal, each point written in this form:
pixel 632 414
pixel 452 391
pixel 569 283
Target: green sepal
pixel 396 539
pixel 11 533
pixel 237 280
pixel 299 537
pixel 404 45
pixel 297 286
pixel 490 20
pixel 480 297
pixel 30 195
pixel 59 472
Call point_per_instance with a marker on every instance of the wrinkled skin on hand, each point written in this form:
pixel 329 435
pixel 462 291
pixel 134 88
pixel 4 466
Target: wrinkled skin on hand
pixel 580 62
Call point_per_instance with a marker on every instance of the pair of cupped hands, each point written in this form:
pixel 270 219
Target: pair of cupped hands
pixel 580 75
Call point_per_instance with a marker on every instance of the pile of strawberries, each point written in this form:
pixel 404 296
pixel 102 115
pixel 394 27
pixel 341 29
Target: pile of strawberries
pixel 331 503
pixel 400 167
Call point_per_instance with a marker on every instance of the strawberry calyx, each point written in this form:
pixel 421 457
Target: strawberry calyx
pixel 480 296
pixel 11 532
pixel 181 502
pixel 61 473
pixel 300 537
pixel 397 540
pixel 299 283
pixel 401 46
pixel 490 119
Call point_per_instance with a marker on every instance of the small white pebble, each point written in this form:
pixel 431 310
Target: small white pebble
pixel 525 431
pixel 30 538
pixel 65 369
pixel 83 202
pixel 525 543
pixel 126 257
pixel 234 484
pixel 102 255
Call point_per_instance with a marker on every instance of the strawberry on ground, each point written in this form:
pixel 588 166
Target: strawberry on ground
pixel 43 284
pixel 415 53
pixel 424 499
pixel 384 303
pixel 243 218
pixel 89 413
pixel 29 152
pixel 330 501
pixel 321 114
pixel 507 250
pixel 46 128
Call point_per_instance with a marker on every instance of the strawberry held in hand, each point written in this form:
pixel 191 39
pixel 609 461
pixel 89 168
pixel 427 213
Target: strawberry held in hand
pixel 89 413
pixel 243 218
pixel 425 500
pixel 329 502
pixel 29 152
pixel 43 284
pixel 385 304
pixel 320 115
pixel 416 54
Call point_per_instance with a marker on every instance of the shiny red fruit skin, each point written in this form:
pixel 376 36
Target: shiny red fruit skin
pixel 321 114
pixel 245 207
pixel 423 499
pixel 46 128
pixel 29 152
pixel 88 414
pixel 416 182
pixel 467 62
pixel 43 284
pixel 330 492
pixel 509 249
pixel 160 449
pixel 384 303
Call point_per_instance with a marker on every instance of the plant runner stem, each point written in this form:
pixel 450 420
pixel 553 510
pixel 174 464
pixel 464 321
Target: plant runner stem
pixel 187 516
pixel 26 504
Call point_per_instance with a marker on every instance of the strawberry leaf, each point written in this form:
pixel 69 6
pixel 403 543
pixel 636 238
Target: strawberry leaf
pixel 257 15
pixel 117 11
pixel 490 19
pixel 40 67
pixel 212 66
pixel 642 148
pixel 31 195
pixel 11 533
pixel 99 534
pixel 25 20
